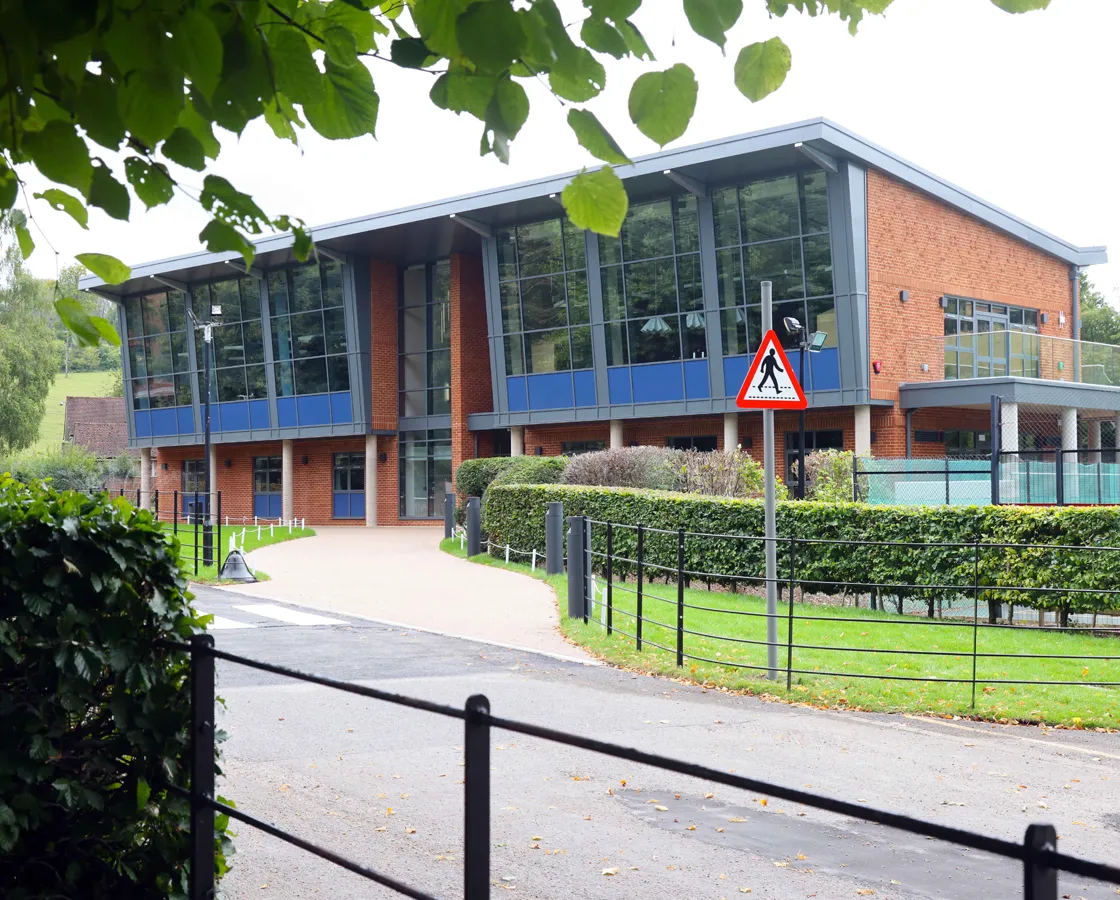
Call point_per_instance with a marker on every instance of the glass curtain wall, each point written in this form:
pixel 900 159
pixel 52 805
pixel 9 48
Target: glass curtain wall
pixel 653 302
pixel 425 340
pixel 158 351
pixel 309 330
pixel 425 465
pixel 774 230
pixel 989 339
pixel 238 350
pixel 542 270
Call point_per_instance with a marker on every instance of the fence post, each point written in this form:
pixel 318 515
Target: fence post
pixel 1040 882
pixel 995 406
pixel 1100 500
pixel 588 570
pixel 218 549
pixel 554 539
pixel 175 512
pixel 155 505
pixel 194 517
pixel 474 526
pixel 680 597
pixel 1059 478
pixel 641 580
pixel 138 498
pixel 855 478
pixel 576 607
pixel 202 767
pixel 975 612
pixel 448 513
pixel 789 638
pixel 610 577
pixel 1028 476
pixel 948 499
pixel 476 799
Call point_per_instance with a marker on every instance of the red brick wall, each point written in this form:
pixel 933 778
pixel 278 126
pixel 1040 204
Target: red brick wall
pixel 383 345
pixel 470 353
pixel 919 244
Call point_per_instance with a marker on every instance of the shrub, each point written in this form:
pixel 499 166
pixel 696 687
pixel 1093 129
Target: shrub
pixel 716 474
pixel 532 470
pixel 655 468
pixel 473 477
pixel 94 712
pixel 70 468
pixel 828 475
pixel 897 546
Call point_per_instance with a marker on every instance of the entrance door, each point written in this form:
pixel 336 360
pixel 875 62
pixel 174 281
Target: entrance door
pixel 991 346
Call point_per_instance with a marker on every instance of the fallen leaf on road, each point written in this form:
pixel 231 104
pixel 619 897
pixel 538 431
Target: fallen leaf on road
pixel 1042 805
pixel 691 827
pixel 381 828
pixel 390 811
pixel 764 801
pixel 535 838
pixel 719 830
pixel 610 871
pixel 285 787
pixel 782 864
pixel 865 892
pixel 662 808
pixel 746 890
pixel 263 886
pixel 895 882
pixel 736 819
pixel 709 795
pixel 801 856
pixel 952 803
pixel 587 818
pixel 410 831
pixel 1079 822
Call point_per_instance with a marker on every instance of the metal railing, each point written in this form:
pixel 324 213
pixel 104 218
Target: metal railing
pixel 1037 852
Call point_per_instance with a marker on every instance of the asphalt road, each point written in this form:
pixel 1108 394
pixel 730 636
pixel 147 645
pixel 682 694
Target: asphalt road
pixel 382 785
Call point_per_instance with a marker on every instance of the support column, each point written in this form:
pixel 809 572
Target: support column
pixel 730 431
pixel 145 477
pixel 863 430
pixel 1095 440
pixel 1069 429
pixel 517 440
pixel 287 471
pixel 616 434
pixel 214 483
pixel 1009 427
pixel 371 480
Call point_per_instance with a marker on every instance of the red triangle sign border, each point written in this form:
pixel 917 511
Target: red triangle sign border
pixel 770 339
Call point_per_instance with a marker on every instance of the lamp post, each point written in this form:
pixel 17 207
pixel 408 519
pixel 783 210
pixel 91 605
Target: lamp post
pixel 812 343
pixel 207 331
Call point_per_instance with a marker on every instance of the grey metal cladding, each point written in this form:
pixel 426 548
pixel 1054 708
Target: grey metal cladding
pixel 847 221
pixel 978 392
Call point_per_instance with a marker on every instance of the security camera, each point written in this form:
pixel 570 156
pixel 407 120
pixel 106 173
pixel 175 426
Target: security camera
pixel 792 325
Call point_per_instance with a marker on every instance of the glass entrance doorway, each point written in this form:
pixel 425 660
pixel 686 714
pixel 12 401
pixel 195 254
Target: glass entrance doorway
pixel 991 346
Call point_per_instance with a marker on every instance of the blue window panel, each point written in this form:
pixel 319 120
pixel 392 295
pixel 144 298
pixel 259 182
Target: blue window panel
pixel 163 422
pixel 515 390
pixel 552 391
pixel 258 414
pixel 358 505
pixel 825 367
pixel 185 417
pixel 260 505
pixel 696 386
pixel 618 384
pixel 143 423
pixel 234 416
pixel 314 409
pixel 585 387
pixel 340 407
pixel 735 373
pixel 286 412
pixel 340 509
pixel 275 505
pixel 658 382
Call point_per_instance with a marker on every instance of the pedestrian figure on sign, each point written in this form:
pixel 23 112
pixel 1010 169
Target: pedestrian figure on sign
pixel 769 365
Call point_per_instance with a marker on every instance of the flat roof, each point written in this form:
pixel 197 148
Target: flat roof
pixel 428 227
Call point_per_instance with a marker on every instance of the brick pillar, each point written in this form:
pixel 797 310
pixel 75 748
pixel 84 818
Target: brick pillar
pixel 383 390
pixel 470 353
pixel 730 431
pixel 287 474
pixel 146 477
pixel 617 439
pixel 371 480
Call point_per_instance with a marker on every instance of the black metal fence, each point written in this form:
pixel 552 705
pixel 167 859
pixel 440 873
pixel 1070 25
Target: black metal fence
pixel 185 516
pixel 1038 851
pixel 612 580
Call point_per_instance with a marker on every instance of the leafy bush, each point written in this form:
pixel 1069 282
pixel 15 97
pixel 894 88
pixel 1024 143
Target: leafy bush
pixel 899 546
pixel 715 474
pixel 473 476
pixel 655 468
pixel 94 712
pixel 532 470
pixel 70 468
pixel 828 475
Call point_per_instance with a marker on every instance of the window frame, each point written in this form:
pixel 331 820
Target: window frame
pixel 436 393
pixel 349 469
pixel 435 438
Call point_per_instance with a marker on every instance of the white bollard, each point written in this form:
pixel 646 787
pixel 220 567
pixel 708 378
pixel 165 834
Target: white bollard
pixel 258 532
pixel 232 542
pixel 303 522
pixel 227 521
pixel 533 566
pixel 462 538
pixel 270 527
pixel 507 554
pixel 290 521
pixel 254 520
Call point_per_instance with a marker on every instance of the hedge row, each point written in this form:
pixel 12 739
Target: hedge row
pixel 515 515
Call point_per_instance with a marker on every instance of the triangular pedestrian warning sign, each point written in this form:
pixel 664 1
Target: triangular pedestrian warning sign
pixel 770 383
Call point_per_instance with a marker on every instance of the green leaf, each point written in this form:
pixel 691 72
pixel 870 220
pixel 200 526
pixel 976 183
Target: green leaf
pixel 510 108
pixel 23 236
pixel 411 53
pixel 201 128
pixel 761 68
pixel 108 268
pixel 97 111
pixel 436 20
pixel 348 107
pixel 150 103
pixel 490 35
pixel 67 203
pixel 662 103
pixel 579 80
pixel 357 20
pixel 340 46
pixel 197 47
pixel 219 236
pixel 712 19
pixel 143 792
pixel 60 154
pixel 150 181
pixel 231 205
pixel 280 116
pixel 108 194
pixel 1021 6
pixel 107 330
pixel 77 321
pixel 593 136
pixel 462 92
pixel 634 40
pixel 596 201
pixel 184 148
pixel 613 9
pixel 297 75
pixel 9 187
pixel 600 35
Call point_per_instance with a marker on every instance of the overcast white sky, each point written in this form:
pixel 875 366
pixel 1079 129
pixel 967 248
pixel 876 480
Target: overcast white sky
pixel 1021 110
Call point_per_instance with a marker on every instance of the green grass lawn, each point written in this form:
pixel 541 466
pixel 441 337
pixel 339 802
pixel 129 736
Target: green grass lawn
pixel 209 574
pixel 76 384
pixel 723 663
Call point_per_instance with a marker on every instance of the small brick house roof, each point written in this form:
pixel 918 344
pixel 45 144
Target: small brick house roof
pixel 97 424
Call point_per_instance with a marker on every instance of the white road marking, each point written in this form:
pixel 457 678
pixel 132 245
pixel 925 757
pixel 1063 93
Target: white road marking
pixel 220 622
pixel 987 732
pixel 292 616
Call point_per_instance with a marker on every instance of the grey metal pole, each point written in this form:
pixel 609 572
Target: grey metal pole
pixel 576 604
pixel 801 419
pixel 474 527
pixel 554 539
pixel 997 441
pixel 207 528
pixel 771 529
pixel 448 512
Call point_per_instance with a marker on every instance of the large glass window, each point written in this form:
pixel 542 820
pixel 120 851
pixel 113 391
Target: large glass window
pixel 814 440
pixel 349 500
pixel 424 338
pixel 985 339
pixel 774 230
pixel 308 330
pixel 653 303
pixel 157 350
pixel 425 465
pixel 192 477
pixel 237 362
pixel 542 270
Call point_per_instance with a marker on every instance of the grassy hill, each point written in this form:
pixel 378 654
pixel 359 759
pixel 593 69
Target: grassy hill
pixel 76 384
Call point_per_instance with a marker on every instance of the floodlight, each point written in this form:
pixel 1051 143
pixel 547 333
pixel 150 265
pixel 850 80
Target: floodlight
pixel 816 341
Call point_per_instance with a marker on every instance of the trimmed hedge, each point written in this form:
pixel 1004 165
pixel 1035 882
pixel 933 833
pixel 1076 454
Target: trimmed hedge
pixel 94 713
pixel 515 515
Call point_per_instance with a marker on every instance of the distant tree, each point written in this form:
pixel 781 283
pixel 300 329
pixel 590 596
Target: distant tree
pixel 1100 319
